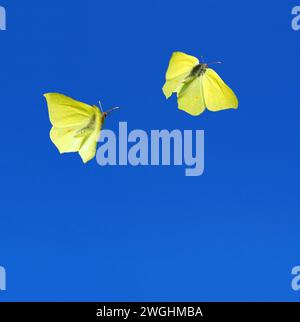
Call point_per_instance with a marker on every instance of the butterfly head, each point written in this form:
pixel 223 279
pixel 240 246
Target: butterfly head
pixel 201 68
pixel 104 114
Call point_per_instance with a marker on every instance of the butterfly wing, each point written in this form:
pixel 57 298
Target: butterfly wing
pixel 65 139
pixel 179 68
pixel 76 125
pixel 217 95
pixel 88 149
pixel 190 98
pixel 67 112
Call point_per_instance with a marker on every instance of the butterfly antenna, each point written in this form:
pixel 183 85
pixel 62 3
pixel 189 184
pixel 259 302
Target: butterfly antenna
pixel 100 105
pixel 112 109
pixel 214 62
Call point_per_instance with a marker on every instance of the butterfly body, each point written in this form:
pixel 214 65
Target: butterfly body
pixel 198 70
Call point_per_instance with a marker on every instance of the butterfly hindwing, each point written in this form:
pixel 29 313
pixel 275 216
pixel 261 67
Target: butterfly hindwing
pixel 217 95
pixel 65 139
pixel 190 98
pixel 179 68
pixel 89 146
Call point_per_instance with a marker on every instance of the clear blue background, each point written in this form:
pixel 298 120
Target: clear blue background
pixel 70 231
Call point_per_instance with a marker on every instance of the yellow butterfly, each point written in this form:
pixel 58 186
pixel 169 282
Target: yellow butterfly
pixel 197 86
pixel 76 125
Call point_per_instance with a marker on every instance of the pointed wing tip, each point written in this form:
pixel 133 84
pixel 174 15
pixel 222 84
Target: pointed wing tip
pixel 85 160
pixel 48 95
pixel 52 94
pixel 236 105
pixel 178 52
pixel 166 92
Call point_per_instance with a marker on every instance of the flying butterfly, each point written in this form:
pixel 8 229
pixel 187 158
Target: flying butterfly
pixel 197 86
pixel 76 125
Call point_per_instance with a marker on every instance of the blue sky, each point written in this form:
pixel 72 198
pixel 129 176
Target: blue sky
pixel 70 231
